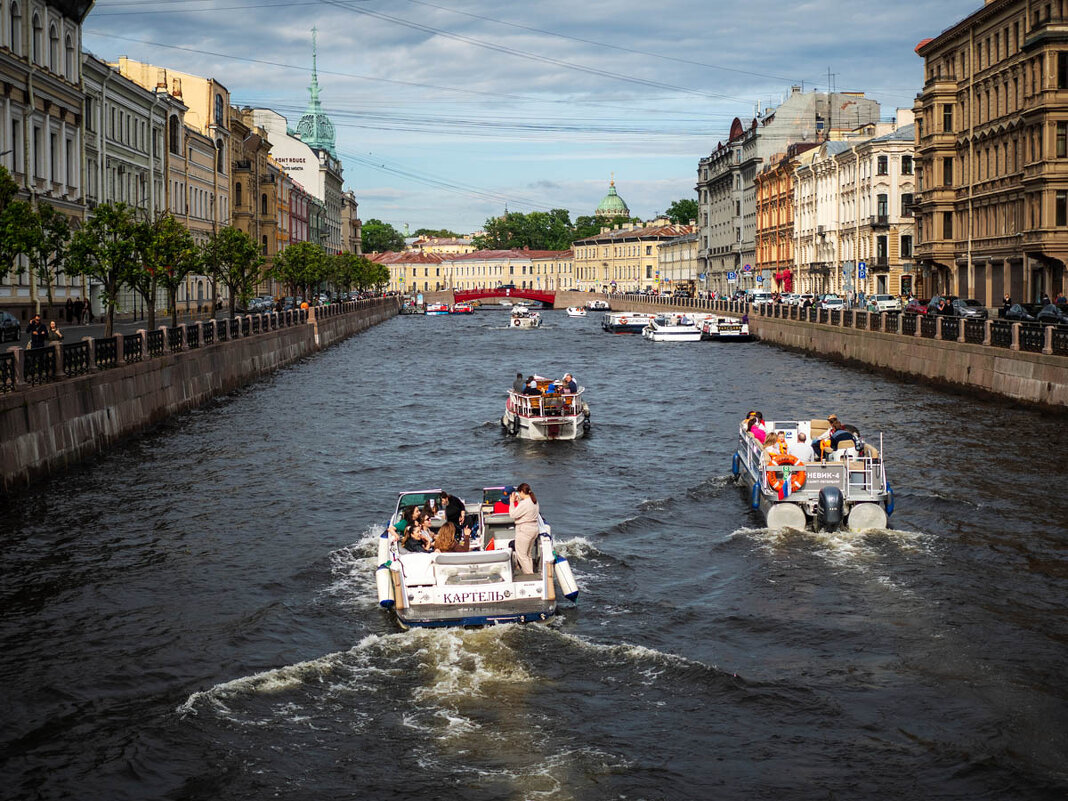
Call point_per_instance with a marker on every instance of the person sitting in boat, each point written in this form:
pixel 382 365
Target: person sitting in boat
pixel 407 518
pixel 446 542
pixel 453 506
pixel 418 538
pixel 568 384
pixel 468 526
pixel 524 512
pixel 800 449
pixel 755 426
pixel 775 443
pixel 532 387
pixel 503 506
pixel 519 384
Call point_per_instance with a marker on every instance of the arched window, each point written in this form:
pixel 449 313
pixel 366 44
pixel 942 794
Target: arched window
pixel 38 35
pixel 68 68
pixel 264 242
pixel 53 50
pixel 16 29
pixel 220 163
pixel 263 204
pixel 237 196
pixel 173 136
pixel 219 110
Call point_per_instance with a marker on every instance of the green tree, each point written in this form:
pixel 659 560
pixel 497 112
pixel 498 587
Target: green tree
pixel 683 211
pixel 102 249
pixel 443 233
pixel 172 255
pixel 233 258
pixel 16 224
pixel 48 238
pixel 539 230
pixel 300 267
pixel 379 237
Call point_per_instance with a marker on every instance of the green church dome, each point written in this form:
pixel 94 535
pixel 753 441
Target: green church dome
pixel 315 128
pixel 612 205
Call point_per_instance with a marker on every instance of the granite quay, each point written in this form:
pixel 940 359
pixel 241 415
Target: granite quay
pixel 65 402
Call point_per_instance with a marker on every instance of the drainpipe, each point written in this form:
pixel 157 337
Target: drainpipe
pixel 971 155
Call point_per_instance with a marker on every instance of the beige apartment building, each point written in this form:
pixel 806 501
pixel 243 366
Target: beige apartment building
pixel 624 259
pixel 679 265
pixel 775 217
pixel 992 150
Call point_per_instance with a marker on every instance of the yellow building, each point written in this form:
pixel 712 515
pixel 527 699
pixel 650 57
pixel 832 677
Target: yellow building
pixel 775 218
pixel 624 259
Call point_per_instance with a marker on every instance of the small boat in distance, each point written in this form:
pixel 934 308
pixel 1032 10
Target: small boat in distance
pixel 479 587
pixel 597 305
pixel 550 415
pixel 625 322
pixel 576 311
pixel 462 308
pixel 523 317
pixel 848 489
pixel 726 329
pixel 437 308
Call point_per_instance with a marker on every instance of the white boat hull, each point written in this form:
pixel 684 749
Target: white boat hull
pixel 546 428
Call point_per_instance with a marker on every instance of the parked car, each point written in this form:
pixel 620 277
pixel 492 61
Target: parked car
pixel 1018 314
pixel 805 296
pixel 884 303
pixel 10 328
pixel 759 298
pixel 917 306
pixel 1052 314
pixel 830 302
pixel 970 308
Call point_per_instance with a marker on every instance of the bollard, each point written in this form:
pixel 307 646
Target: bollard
pixel 1047 346
pixel 91 344
pixel 938 327
pixel 986 331
pixel 1015 337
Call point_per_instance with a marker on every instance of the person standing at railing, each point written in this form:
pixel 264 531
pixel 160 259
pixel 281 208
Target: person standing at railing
pixel 519 384
pixel 54 334
pixel 524 511
pixel 37 332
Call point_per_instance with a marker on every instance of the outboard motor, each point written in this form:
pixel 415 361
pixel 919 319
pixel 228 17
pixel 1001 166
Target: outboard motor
pixel 829 509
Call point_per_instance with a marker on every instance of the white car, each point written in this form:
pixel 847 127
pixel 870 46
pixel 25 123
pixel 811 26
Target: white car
pixel 832 302
pixel 760 298
pixel 799 300
pixel 884 303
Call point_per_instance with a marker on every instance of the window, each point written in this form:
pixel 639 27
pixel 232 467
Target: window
pixel 947 225
pixel 219 110
pixel 264 245
pixel 947 118
pixel 173 134
pixel 1062 140
pixel 1061 208
pixel 906 165
pixel 881 205
pixel 881 249
pixel 68 64
pixel 237 195
pixel 947 171
pixel 220 163
pixel 263 204
pixel 53 50
pixel 16 30
pixel 36 42
pixel 906 246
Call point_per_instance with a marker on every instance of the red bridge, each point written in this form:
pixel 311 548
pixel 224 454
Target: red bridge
pixel 467 295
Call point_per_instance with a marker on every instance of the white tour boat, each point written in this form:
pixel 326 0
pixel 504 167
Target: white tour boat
pixel 551 415
pixel 479 587
pixel 847 490
pixel 672 328
pixel 576 311
pixel 626 322
pixel 725 329
pixel 523 317
pixel 597 305
pixel 437 308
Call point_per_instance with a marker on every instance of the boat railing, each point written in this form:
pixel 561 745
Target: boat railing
pixel 548 405
pixel 859 475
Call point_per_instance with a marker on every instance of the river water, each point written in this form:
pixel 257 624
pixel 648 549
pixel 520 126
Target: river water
pixel 193 615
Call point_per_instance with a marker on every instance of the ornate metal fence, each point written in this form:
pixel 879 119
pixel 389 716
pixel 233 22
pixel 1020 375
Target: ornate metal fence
pixel 1032 337
pixel 908 324
pixel 7 372
pixel 950 328
pixel 132 348
pixel 928 326
pixel 105 353
pixel 39 365
pixel 155 343
pixel 975 331
pixel 1001 333
pixel 192 336
pixel 209 334
pixel 174 339
pixel 1060 341
pixel 75 358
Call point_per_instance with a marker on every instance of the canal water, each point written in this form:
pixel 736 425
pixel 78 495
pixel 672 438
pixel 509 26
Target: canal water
pixel 193 616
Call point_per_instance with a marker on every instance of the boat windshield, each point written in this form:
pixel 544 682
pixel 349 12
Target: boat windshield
pixel 418 498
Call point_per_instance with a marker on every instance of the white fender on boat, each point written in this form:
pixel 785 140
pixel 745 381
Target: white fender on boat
pixel 785 515
pixel 383 547
pixel 563 574
pixel 385 586
pixel 866 516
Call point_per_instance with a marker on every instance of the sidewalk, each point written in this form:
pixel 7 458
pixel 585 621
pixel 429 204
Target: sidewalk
pixel 75 332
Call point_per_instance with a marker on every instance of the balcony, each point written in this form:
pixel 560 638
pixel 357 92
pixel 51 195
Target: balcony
pixel 879 221
pixel 880 264
pixel 243 164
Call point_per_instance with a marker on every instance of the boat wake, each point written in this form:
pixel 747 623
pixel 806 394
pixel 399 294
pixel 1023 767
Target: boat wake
pixel 839 548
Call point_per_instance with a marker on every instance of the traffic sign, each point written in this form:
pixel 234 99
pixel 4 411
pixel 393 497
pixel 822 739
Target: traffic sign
pixel 748 268
pixel 862 270
pixel 732 278
pixel 760 279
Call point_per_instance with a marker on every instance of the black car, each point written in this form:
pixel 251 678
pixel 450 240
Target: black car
pixel 1053 315
pixel 10 328
pixel 1018 314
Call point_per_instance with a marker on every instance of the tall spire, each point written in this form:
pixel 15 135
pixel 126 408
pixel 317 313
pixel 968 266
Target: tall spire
pixel 315 128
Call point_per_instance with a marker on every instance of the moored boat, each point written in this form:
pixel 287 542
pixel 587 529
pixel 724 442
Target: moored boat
pixel 625 322
pixel 479 587
pixel 848 489
pixel 462 308
pixel 597 305
pixel 726 329
pixel 672 328
pixel 576 311
pixel 436 309
pixel 550 415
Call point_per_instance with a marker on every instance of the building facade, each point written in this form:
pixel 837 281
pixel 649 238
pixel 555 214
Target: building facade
pixel 351 227
pixel 992 150
pixel 255 188
pixel 726 179
pixel 678 265
pixel 41 123
pixel 775 218
pixel 623 259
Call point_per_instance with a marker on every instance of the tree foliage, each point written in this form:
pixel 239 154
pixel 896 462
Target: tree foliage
pixel 379 237
pixel 232 257
pixel 47 236
pixel 300 267
pixel 102 249
pixel 442 233
pixel 538 230
pixel 683 211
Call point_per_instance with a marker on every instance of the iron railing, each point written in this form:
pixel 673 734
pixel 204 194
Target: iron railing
pixel 39 365
pixel 192 336
pixel 928 326
pixel 909 323
pixel 105 353
pixel 132 348
pixel 1032 337
pixel 951 328
pixel 7 372
pixel 75 358
pixel 975 331
pixel 1060 341
pixel 174 339
pixel 1001 333
pixel 155 343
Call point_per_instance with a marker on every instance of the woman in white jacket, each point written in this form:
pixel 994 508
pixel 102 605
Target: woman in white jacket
pixel 524 511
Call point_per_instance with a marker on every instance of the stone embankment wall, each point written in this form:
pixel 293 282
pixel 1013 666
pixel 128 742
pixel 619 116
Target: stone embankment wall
pixel 45 428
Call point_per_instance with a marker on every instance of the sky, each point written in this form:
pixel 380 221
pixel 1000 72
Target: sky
pixel 449 112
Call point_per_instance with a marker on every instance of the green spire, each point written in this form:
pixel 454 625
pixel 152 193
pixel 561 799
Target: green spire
pixel 315 128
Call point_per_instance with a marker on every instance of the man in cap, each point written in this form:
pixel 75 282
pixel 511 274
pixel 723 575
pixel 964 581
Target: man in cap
pixel 504 504
pixel 37 331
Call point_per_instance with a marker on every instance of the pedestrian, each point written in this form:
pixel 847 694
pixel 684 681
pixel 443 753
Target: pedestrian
pixel 1044 300
pixel 519 384
pixel 1006 304
pixel 79 307
pixel 70 310
pixel 54 334
pixel 37 332
pixel 1061 299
